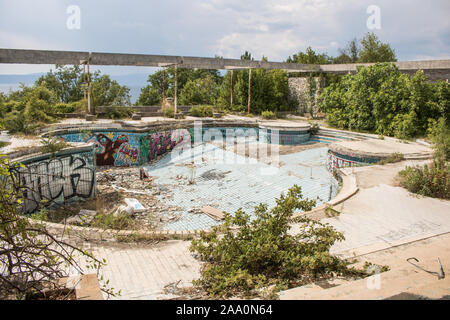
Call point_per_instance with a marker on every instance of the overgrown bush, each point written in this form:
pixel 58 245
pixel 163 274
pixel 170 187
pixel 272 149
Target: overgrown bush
pixel 52 144
pixel 201 111
pixel 382 100
pixel 314 128
pixel 16 122
pixel 439 133
pixel 32 108
pixel 169 112
pixel 392 158
pixel 118 112
pixel 120 221
pixel 64 107
pixel 268 115
pixel 430 180
pixel 262 252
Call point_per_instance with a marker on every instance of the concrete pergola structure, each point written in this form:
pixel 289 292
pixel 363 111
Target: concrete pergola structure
pixel 25 56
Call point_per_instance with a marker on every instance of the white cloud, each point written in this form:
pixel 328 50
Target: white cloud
pixel 275 46
pixel 274 28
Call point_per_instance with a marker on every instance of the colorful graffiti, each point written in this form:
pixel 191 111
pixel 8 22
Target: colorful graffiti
pixel 57 180
pixel 162 142
pixel 116 148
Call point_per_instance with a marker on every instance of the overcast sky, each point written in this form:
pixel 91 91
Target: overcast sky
pixel 416 29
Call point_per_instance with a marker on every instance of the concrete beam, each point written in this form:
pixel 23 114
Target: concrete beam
pixel 121 59
pixel 402 65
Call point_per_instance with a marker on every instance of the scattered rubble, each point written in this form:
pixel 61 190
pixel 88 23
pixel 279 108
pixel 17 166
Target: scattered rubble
pixel 83 217
pixel 131 190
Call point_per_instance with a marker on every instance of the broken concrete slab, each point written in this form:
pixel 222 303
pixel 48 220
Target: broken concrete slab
pixel 214 213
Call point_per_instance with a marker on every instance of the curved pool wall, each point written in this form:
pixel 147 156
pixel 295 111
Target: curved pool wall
pixel 338 160
pixel 54 179
pixel 70 174
pixel 131 147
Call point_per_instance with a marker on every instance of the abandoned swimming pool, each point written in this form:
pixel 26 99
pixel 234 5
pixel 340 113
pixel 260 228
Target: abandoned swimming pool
pixel 211 176
pixel 198 174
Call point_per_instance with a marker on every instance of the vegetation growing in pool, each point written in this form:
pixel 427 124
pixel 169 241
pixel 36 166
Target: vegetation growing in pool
pixel 243 256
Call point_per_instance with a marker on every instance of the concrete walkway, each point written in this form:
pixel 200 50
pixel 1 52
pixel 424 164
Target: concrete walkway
pixel 403 281
pixel 383 214
pixel 141 271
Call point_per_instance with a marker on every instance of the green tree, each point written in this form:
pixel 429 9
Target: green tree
pixel 107 92
pixel 309 57
pixel 269 90
pixel 199 91
pixel 373 50
pixel 350 54
pixel 247 56
pixel 65 81
pixel 244 255
pixel 152 93
pixel 383 100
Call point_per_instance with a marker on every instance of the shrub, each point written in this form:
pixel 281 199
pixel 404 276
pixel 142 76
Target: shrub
pixel 16 122
pixel 439 133
pixel 52 144
pixel 120 221
pixel 64 107
pixel 201 111
pixel 430 181
pixel 314 128
pixel 268 115
pixel 118 112
pixel 380 99
pixel 169 112
pixel 392 158
pixel 262 252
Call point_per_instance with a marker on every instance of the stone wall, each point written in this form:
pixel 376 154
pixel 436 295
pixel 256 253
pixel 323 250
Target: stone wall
pixel 299 91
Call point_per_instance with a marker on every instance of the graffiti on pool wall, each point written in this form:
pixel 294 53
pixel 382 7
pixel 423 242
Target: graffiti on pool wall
pixel 129 148
pixel 114 149
pixel 162 142
pixel 57 180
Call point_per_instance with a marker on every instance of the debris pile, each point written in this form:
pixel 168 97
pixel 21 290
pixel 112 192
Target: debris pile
pixel 139 195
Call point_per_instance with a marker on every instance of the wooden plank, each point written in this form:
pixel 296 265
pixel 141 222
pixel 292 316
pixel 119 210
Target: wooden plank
pixel 214 213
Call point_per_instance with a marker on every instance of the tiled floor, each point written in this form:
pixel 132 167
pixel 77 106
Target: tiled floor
pixel 229 181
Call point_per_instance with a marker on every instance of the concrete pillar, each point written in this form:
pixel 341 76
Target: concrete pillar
pixel 249 89
pixel 175 91
pixel 164 86
pixel 231 90
pixel 89 88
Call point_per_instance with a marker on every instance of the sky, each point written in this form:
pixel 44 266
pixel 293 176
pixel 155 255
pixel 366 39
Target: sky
pixel 417 30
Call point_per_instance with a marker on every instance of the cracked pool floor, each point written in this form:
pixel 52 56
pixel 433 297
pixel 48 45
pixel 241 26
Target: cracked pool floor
pixel 206 175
